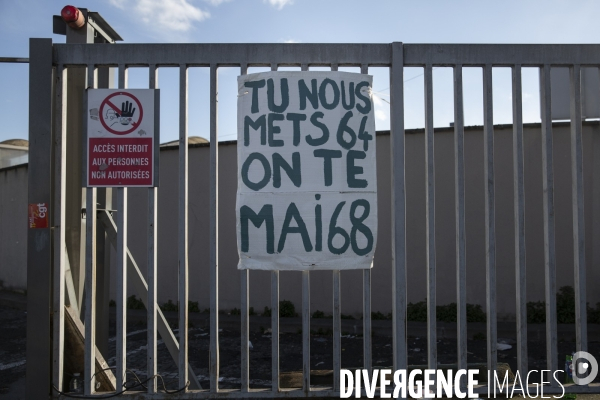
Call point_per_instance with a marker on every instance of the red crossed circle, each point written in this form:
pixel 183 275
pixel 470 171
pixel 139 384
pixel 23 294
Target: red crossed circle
pixel 106 102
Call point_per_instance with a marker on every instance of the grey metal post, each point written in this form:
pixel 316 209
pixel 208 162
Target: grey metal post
pixel 75 195
pixel 152 273
pixel 430 200
pixel 183 226
pixel 519 212
pixel 39 250
pixel 89 383
pixel 121 278
pixel 275 331
pixel 397 142
pixel 245 318
pixel 337 307
pixel 214 229
pixel 274 320
pixel 490 217
pixel 306 331
pixel 106 79
pixel 337 329
pixel 104 201
pixel 549 233
pixel 367 333
pixel 58 222
pixel 578 212
pixel 459 207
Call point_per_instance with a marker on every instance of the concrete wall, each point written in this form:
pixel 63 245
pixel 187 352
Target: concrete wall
pixel 321 281
pixel 13 218
pixel 13 227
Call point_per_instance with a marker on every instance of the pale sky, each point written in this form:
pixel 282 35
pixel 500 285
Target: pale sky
pixel 305 21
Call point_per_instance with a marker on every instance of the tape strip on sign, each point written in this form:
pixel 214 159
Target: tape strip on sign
pixel 307 181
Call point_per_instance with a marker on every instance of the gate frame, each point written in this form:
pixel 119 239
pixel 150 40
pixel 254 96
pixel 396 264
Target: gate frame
pixel 46 158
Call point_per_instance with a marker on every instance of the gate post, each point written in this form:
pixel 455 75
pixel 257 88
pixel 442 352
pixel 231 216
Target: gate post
pixel 39 245
pixel 106 79
pixel 74 193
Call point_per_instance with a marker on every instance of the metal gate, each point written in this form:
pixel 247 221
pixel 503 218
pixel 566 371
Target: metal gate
pixel 49 65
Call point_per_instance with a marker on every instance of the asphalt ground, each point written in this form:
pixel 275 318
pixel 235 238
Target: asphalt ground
pixel 13 319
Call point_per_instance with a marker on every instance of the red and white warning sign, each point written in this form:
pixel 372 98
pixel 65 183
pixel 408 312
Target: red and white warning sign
pixel 122 137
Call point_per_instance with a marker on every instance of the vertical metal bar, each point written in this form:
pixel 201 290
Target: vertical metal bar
pixel 74 223
pixel 397 145
pixel 245 333
pixel 274 319
pixel 121 334
pixel 305 332
pixel 106 79
pixel 79 266
pixel 337 322
pixel 275 331
pixel 39 250
pixel 549 234
pixel 102 275
pixel 367 353
pixel 90 298
pixel 337 329
pixel 519 213
pixel 490 217
pixel 214 230
pixel 459 209
pixel 183 226
pixel 244 294
pixel 306 315
pixel 578 211
pixel 151 355
pixel 89 385
pixel 430 200
pixel 60 168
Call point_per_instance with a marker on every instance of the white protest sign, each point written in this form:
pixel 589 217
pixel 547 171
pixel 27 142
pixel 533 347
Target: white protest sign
pixel 307 184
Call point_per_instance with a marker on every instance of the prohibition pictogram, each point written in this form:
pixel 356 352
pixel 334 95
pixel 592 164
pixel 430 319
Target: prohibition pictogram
pixel 123 120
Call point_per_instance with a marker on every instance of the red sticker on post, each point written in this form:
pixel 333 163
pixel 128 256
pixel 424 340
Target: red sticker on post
pixel 122 135
pixel 38 215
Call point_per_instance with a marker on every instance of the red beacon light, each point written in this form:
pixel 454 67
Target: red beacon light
pixel 72 17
